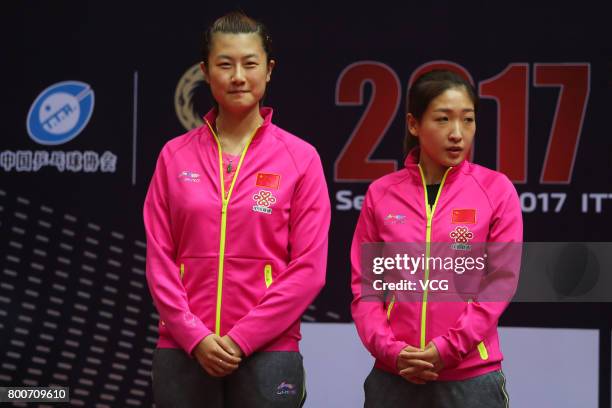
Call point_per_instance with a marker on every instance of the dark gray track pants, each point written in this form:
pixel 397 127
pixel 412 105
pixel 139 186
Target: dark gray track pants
pixel 268 379
pixel 386 390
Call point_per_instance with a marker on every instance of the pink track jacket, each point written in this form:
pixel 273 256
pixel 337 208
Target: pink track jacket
pixel 247 265
pixel 472 202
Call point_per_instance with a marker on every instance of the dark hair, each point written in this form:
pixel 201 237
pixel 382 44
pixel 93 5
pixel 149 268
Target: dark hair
pixel 236 22
pixel 428 87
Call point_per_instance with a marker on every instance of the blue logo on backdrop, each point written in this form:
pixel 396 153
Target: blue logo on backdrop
pixel 60 112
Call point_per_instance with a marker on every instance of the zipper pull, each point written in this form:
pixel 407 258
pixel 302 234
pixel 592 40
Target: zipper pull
pixel 229 167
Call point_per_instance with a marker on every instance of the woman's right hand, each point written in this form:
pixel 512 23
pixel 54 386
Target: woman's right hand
pixel 215 356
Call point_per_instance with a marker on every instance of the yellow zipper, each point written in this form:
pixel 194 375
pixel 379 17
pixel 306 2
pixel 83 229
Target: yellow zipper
pixel 430 214
pixel 268 275
pixel 390 307
pixel 225 202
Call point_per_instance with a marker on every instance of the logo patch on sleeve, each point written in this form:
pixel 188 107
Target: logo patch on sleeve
pixel 267 180
pixel 463 216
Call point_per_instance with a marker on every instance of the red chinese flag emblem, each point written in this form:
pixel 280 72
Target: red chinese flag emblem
pixel 464 216
pixel 267 180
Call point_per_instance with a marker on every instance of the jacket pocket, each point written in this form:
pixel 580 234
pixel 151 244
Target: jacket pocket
pixel 181 273
pixel 482 350
pixel 268 275
pixel 198 278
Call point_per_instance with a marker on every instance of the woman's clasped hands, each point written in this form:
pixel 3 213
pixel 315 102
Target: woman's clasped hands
pixel 419 365
pixel 218 356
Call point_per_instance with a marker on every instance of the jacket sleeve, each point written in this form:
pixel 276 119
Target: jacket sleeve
pixel 368 310
pixel 296 287
pixel 163 276
pixel 480 318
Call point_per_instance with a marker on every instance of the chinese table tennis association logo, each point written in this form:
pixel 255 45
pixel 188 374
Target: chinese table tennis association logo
pixel 60 112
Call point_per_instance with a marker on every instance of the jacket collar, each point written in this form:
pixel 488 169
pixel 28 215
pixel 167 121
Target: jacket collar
pixel 412 165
